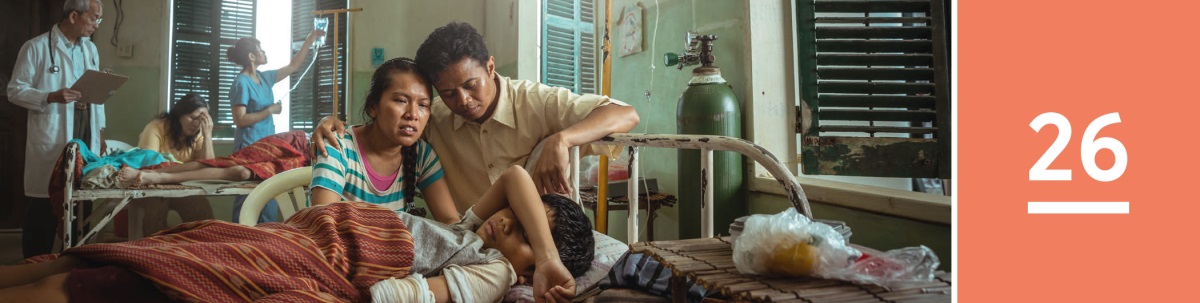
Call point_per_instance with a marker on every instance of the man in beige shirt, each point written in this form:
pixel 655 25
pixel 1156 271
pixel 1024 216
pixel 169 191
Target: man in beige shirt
pixel 487 122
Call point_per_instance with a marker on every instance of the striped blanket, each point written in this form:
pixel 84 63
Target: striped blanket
pixel 328 253
pixel 268 156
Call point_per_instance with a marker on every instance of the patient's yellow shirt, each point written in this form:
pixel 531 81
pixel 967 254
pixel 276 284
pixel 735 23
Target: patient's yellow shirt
pixel 155 137
pixel 475 154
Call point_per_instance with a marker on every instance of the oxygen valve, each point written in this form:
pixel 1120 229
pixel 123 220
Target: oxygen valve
pixel 697 50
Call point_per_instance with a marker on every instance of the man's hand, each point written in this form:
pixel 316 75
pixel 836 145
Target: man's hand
pixel 552 282
pixel 65 95
pixel 325 132
pixel 552 168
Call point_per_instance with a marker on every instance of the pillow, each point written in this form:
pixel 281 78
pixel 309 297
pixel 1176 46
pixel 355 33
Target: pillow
pixel 608 251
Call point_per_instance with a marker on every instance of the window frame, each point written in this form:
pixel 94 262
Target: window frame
pixel 217 97
pixel 913 95
pixel 582 26
pixel 210 88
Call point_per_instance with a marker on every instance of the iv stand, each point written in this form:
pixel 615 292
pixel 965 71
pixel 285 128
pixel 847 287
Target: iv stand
pixel 336 13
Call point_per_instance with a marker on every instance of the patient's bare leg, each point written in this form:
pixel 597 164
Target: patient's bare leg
pixel 186 166
pixel 147 177
pixel 16 275
pixel 49 289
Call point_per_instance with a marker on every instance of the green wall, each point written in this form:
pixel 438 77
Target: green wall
pixel 135 105
pixel 632 78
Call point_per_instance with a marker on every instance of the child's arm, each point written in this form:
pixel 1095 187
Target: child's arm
pixel 515 189
pixel 487 282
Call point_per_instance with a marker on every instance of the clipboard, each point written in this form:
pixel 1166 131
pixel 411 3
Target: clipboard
pixel 95 86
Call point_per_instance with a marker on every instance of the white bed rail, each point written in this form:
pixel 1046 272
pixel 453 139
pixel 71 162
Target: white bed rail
pixel 706 144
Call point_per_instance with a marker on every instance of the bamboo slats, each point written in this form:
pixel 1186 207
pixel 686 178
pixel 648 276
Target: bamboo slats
pixel 709 261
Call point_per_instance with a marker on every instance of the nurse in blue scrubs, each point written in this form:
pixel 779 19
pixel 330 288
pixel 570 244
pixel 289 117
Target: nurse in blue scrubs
pixel 253 103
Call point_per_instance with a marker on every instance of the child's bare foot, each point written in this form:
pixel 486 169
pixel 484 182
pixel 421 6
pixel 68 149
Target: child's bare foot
pixel 129 177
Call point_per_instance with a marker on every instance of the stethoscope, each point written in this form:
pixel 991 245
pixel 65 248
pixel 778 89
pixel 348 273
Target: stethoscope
pixel 54 65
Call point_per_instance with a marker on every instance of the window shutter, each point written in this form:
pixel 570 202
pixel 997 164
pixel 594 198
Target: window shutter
pixel 874 88
pixel 313 97
pixel 569 45
pixel 203 30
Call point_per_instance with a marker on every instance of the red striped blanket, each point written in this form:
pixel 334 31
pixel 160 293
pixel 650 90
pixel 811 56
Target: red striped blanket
pixel 328 253
pixel 268 156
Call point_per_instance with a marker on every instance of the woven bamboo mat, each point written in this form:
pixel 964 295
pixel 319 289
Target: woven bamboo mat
pixel 710 262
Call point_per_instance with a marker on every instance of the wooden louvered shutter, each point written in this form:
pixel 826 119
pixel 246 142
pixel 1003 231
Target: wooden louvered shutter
pixel 874 88
pixel 202 31
pixel 568 45
pixel 313 97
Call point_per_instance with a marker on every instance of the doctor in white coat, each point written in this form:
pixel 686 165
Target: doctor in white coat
pixel 46 66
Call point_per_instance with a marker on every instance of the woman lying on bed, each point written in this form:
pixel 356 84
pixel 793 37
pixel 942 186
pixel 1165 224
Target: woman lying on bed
pixel 259 161
pixel 340 252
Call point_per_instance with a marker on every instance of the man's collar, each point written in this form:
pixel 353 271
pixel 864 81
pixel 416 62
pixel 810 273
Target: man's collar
pixel 503 113
pixel 61 38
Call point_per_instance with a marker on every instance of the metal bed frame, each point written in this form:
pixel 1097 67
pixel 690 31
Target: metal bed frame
pixel 706 144
pixel 74 195
pixel 633 142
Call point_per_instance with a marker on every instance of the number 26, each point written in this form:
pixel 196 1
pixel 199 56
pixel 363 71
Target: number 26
pixel 1089 146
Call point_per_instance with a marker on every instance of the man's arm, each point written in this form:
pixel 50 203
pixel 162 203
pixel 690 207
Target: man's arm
pixel 20 88
pixel 550 172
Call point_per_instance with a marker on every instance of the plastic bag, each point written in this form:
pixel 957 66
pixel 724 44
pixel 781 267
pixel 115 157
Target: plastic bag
pixel 789 244
pixel 618 169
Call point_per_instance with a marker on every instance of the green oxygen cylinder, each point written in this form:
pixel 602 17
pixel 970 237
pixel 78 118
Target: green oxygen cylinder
pixel 708 107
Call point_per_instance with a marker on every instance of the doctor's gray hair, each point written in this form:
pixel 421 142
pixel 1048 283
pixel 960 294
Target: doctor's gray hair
pixel 81 6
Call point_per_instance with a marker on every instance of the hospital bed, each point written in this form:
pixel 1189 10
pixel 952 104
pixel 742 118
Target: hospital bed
pixel 69 171
pixel 707 144
pixel 707 259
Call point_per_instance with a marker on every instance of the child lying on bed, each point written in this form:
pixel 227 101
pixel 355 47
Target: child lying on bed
pixel 339 252
pixel 259 161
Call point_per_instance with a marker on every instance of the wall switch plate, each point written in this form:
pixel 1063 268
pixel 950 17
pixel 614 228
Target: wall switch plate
pixel 125 50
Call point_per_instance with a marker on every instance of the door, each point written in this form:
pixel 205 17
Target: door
pixel 21 20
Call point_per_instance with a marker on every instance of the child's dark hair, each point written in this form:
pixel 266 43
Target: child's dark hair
pixel 183 107
pixel 572 233
pixel 240 49
pixel 379 83
pixel 447 45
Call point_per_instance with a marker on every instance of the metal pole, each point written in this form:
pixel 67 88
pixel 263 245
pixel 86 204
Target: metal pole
pixel 633 195
pixel 335 65
pixel 575 175
pixel 602 195
pixel 706 209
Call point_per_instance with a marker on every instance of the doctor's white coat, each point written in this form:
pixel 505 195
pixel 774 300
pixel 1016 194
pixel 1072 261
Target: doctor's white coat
pixel 51 125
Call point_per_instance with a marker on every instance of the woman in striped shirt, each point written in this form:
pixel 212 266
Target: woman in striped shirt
pixel 384 161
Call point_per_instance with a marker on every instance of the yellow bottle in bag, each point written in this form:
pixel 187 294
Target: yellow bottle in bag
pixel 793 260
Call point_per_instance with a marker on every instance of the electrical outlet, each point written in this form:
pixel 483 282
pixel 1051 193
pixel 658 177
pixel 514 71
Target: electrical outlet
pixel 125 50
